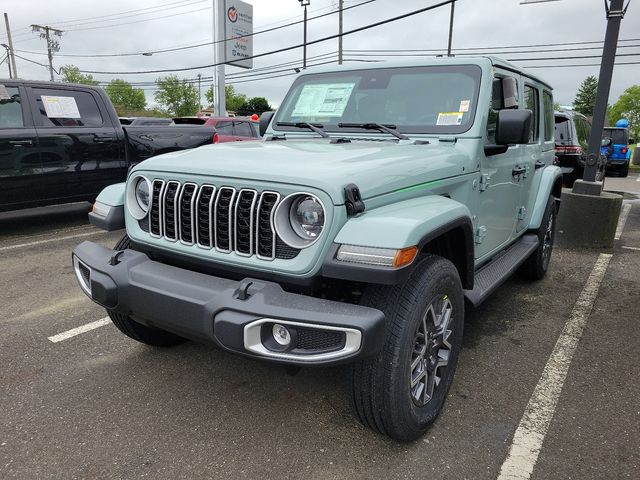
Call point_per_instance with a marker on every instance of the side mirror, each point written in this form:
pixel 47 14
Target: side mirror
pixel 265 119
pixel 513 127
pixel 605 142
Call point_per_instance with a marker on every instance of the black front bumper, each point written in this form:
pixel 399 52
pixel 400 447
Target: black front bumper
pixel 233 314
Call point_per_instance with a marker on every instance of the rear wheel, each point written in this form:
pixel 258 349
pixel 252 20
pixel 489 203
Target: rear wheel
pixel 535 267
pixel 624 170
pixel 137 331
pixel 401 391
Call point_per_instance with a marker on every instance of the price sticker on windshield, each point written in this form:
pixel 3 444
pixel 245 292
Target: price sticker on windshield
pixel 326 100
pixel 449 118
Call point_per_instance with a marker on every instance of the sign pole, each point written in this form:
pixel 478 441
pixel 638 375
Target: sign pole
pixel 219 37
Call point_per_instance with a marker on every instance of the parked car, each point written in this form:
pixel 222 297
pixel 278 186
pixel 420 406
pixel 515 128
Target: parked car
pixel 63 143
pixel 234 129
pixel 352 233
pixel 144 121
pixel 617 153
pixel 572 133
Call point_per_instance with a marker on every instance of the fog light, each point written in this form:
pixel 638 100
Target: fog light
pixel 281 334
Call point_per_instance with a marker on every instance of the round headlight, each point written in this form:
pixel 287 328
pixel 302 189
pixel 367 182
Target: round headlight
pixel 307 217
pixel 142 193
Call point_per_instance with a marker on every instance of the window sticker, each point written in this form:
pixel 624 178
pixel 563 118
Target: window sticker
pixel 60 107
pixel 4 95
pixel 328 100
pixel 450 118
pixel 464 105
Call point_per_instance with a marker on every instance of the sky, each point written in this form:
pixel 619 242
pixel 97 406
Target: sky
pixel 504 27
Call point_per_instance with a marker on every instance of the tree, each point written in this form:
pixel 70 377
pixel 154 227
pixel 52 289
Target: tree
pixel 124 97
pixel 585 100
pixel 177 96
pixel 71 74
pixel 209 96
pixel 628 106
pixel 233 101
pixel 255 105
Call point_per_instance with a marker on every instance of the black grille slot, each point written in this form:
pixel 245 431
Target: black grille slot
pixel 245 207
pixel 316 340
pixel 284 251
pixel 265 236
pixel 204 206
pixel 223 212
pixel 170 206
pixel 154 209
pixel 85 272
pixel 187 199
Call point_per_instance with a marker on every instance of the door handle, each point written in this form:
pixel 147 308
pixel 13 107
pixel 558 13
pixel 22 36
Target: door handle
pixel 20 143
pixel 518 171
pixel 103 139
pixel 539 164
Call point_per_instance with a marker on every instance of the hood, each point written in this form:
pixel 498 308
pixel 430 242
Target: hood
pixel 376 167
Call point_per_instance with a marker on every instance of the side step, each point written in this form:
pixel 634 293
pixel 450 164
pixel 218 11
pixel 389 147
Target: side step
pixel 493 274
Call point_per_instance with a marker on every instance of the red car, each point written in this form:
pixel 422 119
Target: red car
pixel 234 129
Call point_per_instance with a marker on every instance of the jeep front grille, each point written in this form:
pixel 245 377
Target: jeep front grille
pixel 220 218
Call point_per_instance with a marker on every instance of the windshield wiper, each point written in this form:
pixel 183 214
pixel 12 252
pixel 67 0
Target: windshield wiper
pixel 315 127
pixel 376 126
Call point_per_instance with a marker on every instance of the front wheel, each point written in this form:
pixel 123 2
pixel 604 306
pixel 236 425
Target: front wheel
pixel 401 391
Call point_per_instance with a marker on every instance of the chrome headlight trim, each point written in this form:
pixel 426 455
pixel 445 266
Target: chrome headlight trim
pixel 133 204
pixel 282 221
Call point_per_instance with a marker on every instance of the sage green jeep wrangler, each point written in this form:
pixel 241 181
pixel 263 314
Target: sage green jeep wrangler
pixel 380 201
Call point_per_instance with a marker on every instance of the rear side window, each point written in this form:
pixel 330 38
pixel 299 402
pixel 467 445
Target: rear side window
pixel 225 128
pixel 10 108
pixel 562 130
pixel 66 108
pixel 243 129
pixel 547 103
pixel 532 103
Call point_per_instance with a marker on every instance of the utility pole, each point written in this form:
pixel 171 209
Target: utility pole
pixel 615 13
pixel 453 7
pixel 199 95
pixel 53 45
pixel 305 4
pixel 11 52
pixel 341 6
pixel 6 47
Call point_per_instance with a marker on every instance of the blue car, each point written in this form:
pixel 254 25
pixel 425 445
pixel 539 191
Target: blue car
pixel 617 153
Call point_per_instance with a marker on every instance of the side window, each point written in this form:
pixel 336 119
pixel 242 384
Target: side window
pixel 532 103
pixel 10 108
pixel 497 104
pixel 224 128
pixel 243 129
pixel 547 102
pixel 67 108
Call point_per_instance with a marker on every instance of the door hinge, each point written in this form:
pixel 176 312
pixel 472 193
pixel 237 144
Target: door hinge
pixel 522 212
pixel 481 232
pixel 484 181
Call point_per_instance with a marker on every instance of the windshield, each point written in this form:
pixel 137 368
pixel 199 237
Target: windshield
pixel 438 99
pixel 618 136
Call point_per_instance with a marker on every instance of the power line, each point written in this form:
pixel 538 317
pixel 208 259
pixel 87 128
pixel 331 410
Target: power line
pixel 285 49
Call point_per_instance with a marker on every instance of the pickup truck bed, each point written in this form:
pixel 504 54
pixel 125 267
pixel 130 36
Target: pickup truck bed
pixel 62 143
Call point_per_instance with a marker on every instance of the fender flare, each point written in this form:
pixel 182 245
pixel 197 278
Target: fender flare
pixel 550 183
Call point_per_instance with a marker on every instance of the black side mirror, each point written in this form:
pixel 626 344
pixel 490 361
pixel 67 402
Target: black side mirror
pixel 513 127
pixel 265 119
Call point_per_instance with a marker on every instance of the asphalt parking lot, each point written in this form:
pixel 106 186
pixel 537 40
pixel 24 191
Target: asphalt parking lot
pixel 99 405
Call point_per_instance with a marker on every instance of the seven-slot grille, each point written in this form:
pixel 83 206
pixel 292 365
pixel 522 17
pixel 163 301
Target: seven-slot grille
pixel 220 218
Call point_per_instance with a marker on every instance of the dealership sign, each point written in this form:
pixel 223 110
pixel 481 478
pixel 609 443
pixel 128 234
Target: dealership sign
pixel 238 26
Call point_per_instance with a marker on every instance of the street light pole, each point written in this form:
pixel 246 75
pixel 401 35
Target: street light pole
pixel 341 6
pixel 615 13
pixel 305 4
pixel 453 8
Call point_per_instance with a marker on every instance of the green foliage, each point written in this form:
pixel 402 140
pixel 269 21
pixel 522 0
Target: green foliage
pixel 628 106
pixel 178 97
pixel 124 96
pixel 234 101
pixel 256 105
pixel 71 74
pixel 209 96
pixel 585 100
pixel 239 103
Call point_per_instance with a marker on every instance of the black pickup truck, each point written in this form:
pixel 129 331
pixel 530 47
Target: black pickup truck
pixel 62 143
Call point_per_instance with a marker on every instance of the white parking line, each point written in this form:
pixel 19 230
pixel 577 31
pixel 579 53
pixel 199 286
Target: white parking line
pixel 529 437
pixel 622 220
pixel 78 330
pixel 49 240
pixel 631 248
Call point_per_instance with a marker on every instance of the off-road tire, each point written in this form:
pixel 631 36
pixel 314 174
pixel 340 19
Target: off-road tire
pixel 536 265
pixel 135 330
pixel 624 170
pixel 380 387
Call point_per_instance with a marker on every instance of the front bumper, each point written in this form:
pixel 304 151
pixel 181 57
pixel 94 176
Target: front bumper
pixel 236 315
